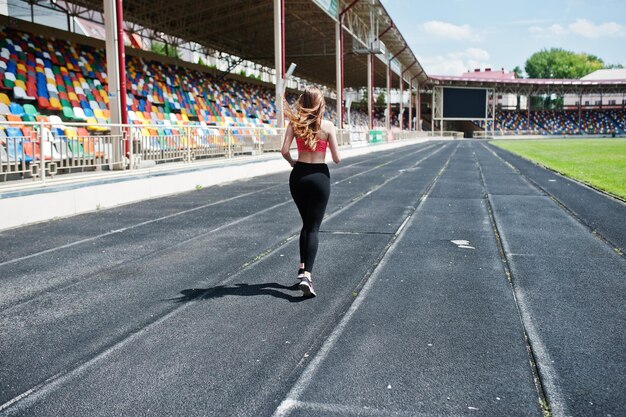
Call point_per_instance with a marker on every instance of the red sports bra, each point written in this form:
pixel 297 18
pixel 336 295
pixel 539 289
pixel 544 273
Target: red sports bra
pixel 320 147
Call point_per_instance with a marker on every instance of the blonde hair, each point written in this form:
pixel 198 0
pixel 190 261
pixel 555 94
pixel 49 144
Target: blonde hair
pixel 306 119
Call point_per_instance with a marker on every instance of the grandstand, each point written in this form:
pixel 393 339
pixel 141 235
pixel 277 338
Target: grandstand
pixel 56 114
pixel 62 86
pixel 560 122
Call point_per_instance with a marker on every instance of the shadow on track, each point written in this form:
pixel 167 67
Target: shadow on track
pixel 241 290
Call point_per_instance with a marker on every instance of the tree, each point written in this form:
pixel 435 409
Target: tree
pixel 518 72
pixel 380 100
pixel 165 49
pixel 614 66
pixel 559 63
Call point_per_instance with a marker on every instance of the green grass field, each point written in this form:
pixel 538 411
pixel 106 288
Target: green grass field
pixel 597 162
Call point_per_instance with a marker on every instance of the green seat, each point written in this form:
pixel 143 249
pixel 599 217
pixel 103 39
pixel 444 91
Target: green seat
pixel 21 77
pixel 29 118
pixel 66 103
pixel 68 113
pixel 61 88
pixel 56 70
pixel 30 110
pixel 9 84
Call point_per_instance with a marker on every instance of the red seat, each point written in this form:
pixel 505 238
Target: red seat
pixel 43 103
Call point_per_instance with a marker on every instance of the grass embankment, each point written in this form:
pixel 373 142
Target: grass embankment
pixel 600 163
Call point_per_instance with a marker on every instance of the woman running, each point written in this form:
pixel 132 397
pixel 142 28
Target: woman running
pixel 309 181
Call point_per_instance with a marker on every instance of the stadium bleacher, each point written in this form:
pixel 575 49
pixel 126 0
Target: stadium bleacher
pixel 561 122
pixel 62 85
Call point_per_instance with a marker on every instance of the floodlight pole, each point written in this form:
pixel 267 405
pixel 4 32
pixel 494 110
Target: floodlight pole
pixel 279 59
pixel 339 63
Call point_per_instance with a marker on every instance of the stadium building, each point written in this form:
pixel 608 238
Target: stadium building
pixel 190 90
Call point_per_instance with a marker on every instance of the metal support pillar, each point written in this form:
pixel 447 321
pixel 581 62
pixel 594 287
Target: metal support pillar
pixel 580 125
pixel 116 76
pixel 400 118
pixel 389 80
pixel 528 102
pixel 279 59
pixel 411 104
pixel 370 90
pixel 388 118
pixel 418 109
pixel 401 113
pixel 339 69
pixel 339 62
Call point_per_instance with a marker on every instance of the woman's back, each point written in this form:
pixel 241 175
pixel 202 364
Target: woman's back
pixel 317 156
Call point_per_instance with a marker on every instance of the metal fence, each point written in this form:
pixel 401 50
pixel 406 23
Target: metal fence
pixel 40 150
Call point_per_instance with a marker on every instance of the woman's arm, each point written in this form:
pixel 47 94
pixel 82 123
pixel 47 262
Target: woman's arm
pixel 332 142
pixel 287 144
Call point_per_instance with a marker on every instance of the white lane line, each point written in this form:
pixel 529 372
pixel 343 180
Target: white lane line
pixel 123 229
pixel 348 410
pixel 309 372
pixel 548 376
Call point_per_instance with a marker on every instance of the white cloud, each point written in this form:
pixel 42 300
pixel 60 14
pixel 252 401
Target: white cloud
pixel 456 63
pixel 449 31
pixel 472 53
pixel 581 27
pixel 552 30
pixel 587 29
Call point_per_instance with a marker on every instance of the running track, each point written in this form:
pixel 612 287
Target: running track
pixel 187 305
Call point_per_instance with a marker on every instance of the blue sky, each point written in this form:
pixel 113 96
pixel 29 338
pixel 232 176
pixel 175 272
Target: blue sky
pixel 450 37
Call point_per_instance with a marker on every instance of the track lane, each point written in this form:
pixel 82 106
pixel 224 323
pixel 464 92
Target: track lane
pixel 85 291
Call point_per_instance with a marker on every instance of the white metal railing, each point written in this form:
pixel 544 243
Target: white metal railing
pixel 41 150
pixel 445 134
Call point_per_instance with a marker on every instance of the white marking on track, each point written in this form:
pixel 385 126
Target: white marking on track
pixel 463 244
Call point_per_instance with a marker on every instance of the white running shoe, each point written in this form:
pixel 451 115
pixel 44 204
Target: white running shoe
pixel 306 285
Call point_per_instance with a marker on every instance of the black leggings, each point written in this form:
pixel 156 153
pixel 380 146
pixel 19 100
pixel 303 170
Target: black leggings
pixel 310 188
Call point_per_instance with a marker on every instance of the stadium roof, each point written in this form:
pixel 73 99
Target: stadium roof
pixel 531 86
pixel 244 28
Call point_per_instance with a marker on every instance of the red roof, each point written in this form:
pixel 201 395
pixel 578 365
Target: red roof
pixel 489 74
pixel 530 81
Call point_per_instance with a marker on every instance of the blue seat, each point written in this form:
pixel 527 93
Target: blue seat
pixel 15 149
pixel 16 109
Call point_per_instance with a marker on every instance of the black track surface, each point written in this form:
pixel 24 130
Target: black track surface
pixel 187 305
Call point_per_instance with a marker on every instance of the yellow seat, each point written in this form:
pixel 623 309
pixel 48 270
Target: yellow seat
pixel 55 103
pixel 94 125
pixel 71 133
pixel 4 99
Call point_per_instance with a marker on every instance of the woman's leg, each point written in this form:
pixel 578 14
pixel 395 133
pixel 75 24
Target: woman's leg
pixel 318 187
pixel 299 195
